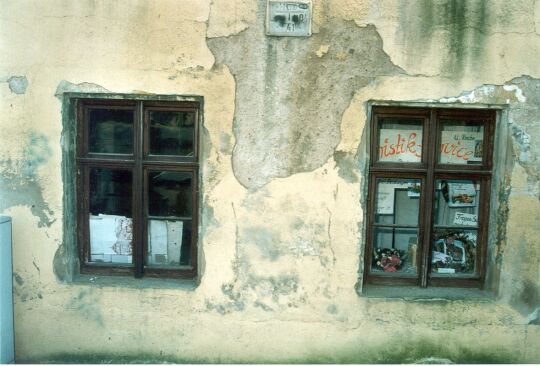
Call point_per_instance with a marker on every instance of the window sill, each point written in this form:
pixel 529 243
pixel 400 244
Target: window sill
pixel 136 283
pixel 414 293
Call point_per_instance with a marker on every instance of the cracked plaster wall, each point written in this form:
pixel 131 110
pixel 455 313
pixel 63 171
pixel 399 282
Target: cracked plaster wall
pixel 283 172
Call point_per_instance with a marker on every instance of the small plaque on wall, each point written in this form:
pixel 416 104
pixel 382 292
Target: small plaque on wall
pixel 288 18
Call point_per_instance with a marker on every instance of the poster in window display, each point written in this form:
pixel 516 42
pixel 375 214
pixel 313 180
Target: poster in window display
pixel 461 194
pixel 461 147
pixel 403 146
pixel 386 191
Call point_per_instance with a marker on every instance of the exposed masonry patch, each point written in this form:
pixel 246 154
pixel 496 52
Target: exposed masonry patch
pixel 19 183
pixel 290 100
pixel 18 84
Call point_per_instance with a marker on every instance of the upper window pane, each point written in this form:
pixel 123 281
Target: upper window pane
pixel 400 140
pixel 461 142
pixel 172 133
pixel 110 131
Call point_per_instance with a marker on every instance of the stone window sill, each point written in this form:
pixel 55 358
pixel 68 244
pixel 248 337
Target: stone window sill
pixel 413 293
pixel 136 283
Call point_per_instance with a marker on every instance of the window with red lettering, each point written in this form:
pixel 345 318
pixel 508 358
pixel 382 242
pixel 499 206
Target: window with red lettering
pixel 428 200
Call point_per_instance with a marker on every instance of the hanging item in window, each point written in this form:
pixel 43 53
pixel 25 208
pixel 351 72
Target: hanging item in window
pixel 459 193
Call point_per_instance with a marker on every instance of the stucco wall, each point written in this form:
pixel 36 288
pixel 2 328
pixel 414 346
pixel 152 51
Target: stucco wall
pixel 283 173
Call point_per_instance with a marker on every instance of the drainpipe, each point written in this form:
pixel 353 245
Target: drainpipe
pixel 7 349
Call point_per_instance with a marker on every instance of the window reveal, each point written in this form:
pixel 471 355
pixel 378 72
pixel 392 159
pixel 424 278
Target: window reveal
pixel 428 200
pixel 137 181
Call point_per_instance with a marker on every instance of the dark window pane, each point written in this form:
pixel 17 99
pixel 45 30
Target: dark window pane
pixel 170 194
pixel 110 219
pixel 461 143
pixel 400 140
pixel 110 192
pixel 172 133
pixel 169 243
pixel 110 131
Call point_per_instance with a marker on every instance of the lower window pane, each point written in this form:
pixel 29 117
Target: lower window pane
pixel 395 251
pixel 169 243
pixel 110 218
pixel 454 252
pixel 170 193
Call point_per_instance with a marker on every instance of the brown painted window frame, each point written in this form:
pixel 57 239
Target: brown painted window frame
pixel 428 171
pixel 139 163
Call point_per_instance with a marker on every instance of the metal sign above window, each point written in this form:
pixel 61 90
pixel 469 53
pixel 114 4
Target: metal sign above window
pixel 288 18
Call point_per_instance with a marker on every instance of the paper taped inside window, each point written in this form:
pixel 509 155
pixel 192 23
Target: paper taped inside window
pixel 110 239
pixel 164 242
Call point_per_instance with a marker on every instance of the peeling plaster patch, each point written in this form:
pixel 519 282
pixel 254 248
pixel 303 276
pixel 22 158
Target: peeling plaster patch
pixel 19 182
pixel 67 87
pixel 306 238
pixel 323 50
pixel 289 102
pixel 508 93
pixel 534 317
pixel 519 93
pixel 18 84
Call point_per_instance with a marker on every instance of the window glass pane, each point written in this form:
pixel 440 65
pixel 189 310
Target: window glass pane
pixel 110 131
pixel 169 243
pixel 395 251
pixel 456 203
pixel 400 140
pixel 397 201
pixel 454 252
pixel 170 194
pixel 461 142
pixel 110 219
pixel 172 133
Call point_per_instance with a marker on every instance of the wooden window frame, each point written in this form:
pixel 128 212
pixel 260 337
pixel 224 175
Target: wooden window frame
pixel 139 163
pixel 428 170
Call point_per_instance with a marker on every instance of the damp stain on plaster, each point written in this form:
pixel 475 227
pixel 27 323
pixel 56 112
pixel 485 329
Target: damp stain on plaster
pixel 86 304
pixel 397 350
pixel 289 101
pixel 266 240
pixel 19 180
pixel 18 84
pixel 456 28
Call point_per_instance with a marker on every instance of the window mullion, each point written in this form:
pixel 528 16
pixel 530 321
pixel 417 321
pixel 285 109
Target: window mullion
pixel 426 222
pixel 138 193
